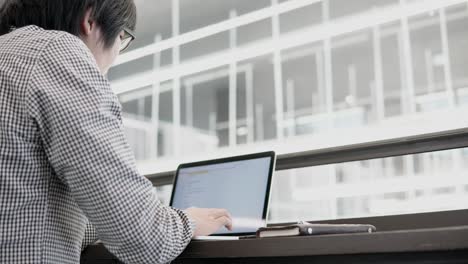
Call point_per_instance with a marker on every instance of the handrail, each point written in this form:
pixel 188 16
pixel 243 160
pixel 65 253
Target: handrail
pixel 444 140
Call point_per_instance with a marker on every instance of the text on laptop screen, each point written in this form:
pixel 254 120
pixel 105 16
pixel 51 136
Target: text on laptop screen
pixel 238 186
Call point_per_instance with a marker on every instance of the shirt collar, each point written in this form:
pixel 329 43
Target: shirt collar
pixel 26 28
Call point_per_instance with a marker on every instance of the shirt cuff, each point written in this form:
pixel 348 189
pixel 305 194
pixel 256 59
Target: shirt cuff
pixel 187 221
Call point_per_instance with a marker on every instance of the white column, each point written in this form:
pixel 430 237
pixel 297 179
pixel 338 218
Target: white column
pixel 189 104
pixel 249 104
pixel 402 73
pixel 379 84
pixel 409 105
pixel 429 60
pixel 232 85
pixel 141 108
pixel 154 142
pixel 327 52
pixel 278 76
pixel 321 89
pixel 290 107
pixel 176 105
pixel 259 124
pixel 143 150
pixel 446 55
pixel 213 124
pixel 327 62
pixel 352 82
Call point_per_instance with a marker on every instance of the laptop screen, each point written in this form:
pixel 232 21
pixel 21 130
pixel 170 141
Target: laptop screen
pixel 240 186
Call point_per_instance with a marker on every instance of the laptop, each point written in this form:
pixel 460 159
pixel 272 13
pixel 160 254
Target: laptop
pixel 239 184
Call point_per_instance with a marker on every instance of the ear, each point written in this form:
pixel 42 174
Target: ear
pixel 87 24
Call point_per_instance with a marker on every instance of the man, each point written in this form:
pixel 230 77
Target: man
pixel 64 158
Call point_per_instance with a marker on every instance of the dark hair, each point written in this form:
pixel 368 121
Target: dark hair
pixel 112 16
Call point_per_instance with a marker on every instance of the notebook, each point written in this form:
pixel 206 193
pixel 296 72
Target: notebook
pixel 308 229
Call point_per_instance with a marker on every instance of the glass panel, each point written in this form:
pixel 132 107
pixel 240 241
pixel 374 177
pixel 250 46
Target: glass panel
pixel 154 18
pixel 353 75
pixel 164 193
pixel 418 183
pixel 122 71
pixel 205 46
pixel 457 19
pixel 301 18
pixel 144 66
pixel 206 110
pixel 136 108
pixel 244 107
pixel 214 11
pixel 427 51
pixel 303 89
pixel 408 184
pixel 166 119
pixel 261 86
pixel 253 32
pixel 392 69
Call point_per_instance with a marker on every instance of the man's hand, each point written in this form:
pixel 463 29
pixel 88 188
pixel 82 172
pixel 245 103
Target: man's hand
pixel 209 220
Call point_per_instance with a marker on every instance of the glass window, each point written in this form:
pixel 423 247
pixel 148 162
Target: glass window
pixel 353 75
pixel 458 41
pixel 303 89
pixel 206 109
pixel 301 18
pixel 214 11
pixel 418 183
pixel 299 76
pixel 392 69
pixel 259 79
pixel 398 185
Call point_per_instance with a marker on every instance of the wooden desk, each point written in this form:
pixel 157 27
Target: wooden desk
pixel 435 245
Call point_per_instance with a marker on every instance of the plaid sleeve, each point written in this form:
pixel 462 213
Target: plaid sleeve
pixel 79 120
pixel 90 236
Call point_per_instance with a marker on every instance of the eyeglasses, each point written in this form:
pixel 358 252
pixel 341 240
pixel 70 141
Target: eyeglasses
pixel 126 39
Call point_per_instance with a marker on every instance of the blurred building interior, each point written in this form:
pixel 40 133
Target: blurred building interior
pixel 210 78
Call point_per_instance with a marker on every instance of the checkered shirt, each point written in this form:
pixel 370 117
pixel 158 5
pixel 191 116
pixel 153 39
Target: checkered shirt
pixel 64 159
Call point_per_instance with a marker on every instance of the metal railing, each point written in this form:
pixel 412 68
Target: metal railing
pixel 444 140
